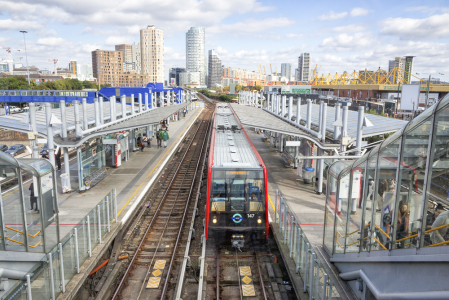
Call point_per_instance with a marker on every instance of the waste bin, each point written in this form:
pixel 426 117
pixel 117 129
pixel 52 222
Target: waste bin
pixel 65 183
pixel 308 175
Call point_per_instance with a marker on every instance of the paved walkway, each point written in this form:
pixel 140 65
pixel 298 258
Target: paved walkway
pixel 307 205
pixel 128 180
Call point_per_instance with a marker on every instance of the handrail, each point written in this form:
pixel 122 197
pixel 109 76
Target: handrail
pixel 427 231
pixel 381 230
pixel 22 231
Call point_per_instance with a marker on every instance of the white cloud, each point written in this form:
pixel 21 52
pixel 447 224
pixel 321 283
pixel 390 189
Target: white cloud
pixel 10 24
pixel 355 12
pixel 358 11
pixel 344 40
pixel 252 25
pixel 116 40
pixel 436 26
pixel 51 41
pixel 350 28
pixel 294 35
pixel 333 16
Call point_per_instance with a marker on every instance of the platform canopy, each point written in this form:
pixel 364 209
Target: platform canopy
pixel 381 124
pixel 255 117
pixel 20 122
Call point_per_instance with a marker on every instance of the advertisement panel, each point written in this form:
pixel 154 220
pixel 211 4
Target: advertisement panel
pixel 410 96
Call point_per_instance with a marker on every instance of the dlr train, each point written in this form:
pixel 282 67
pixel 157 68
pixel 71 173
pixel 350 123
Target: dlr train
pixel 237 207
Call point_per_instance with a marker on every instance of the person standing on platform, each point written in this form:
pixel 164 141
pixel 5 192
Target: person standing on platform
pixel 33 200
pixel 165 137
pixel 149 141
pixel 159 138
pixel 143 143
pixel 58 159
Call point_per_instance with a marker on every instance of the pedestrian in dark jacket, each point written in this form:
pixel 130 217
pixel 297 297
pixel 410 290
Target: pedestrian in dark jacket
pixel 58 158
pixel 33 199
pixel 159 138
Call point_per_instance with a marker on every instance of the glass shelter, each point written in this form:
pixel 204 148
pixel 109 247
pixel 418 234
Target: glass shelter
pixel 396 195
pixel 28 205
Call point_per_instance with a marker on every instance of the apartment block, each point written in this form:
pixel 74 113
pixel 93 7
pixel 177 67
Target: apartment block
pixel 152 53
pixel 136 58
pixel 304 61
pixel 286 70
pixel 215 69
pixel 126 55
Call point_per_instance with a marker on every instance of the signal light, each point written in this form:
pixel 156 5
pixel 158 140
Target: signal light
pixel 259 221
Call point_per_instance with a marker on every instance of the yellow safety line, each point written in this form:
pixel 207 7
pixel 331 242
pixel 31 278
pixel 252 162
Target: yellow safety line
pixel 140 186
pixel 272 205
pixel 22 231
pixel 380 243
pixel 24 243
pixel 382 231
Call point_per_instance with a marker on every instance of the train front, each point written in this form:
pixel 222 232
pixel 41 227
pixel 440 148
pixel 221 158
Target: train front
pixel 237 206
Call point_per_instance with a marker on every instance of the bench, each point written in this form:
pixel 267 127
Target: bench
pixel 264 137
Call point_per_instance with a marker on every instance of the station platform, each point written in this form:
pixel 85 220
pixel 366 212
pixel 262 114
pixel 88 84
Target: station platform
pixel 128 180
pixel 306 204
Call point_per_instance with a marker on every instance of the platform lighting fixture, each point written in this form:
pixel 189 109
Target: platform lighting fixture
pixel 26 56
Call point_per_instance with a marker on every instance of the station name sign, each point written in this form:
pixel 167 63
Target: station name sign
pixel 296 89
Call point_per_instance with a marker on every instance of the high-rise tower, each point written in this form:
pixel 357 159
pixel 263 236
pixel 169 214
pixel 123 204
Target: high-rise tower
pixel 195 52
pixel 215 69
pixel 304 66
pixel 152 53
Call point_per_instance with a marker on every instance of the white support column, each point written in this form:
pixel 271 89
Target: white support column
pixel 123 105
pixel 32 107
pixel 309 113
pixel 161 99
pixel 146 101
pixel 345 126
pixel 358 144
pixel 76 110
pixel 85 120
pixel 323 139
pixel 101 111
pixel 337 128
pixel 112 108
pixel 97 112
pixel 133 112
pixel 290 108
pixel 50 144
pixel 168 98
pixel 140 102
pixel 298 111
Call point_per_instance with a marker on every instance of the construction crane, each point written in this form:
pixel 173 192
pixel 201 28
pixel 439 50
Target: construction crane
pixel 264 71
pixel 271 70
pixel 55 61
pixel 8 49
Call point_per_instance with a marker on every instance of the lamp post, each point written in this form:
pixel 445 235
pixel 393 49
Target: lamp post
pixel 338 95
pixel 26 55
pixel 428 86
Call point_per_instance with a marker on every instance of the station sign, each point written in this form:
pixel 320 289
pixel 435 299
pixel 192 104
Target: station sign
pixel 296 89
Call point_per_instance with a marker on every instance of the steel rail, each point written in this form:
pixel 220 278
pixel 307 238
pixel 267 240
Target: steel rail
pixel 218 274
pixel 164 289
pixel 122 281
pixel 260 276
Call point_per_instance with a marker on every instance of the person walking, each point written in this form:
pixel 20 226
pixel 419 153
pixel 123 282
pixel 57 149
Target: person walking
pixel 149 141
pixel 33 199
pixel 165 137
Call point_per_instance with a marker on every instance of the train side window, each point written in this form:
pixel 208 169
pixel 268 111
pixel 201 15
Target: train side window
pixel 218 195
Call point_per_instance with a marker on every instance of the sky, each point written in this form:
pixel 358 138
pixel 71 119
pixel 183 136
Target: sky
pixel 339 35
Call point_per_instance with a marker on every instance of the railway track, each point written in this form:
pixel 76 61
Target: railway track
pixel 159 237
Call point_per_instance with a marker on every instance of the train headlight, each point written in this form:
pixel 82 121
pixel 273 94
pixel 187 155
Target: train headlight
pixel 259 221
pixel 214 220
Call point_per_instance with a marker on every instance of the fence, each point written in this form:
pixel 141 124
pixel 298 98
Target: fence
pixel 308 265
pixel 56 269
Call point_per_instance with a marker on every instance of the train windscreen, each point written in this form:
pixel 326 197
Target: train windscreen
pixel 237 191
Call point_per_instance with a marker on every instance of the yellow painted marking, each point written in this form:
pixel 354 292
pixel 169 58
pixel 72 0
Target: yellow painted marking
pixel 156 166
pixel 248 290
pixel 245 271
pixel 246 280
pixel 159 264
pixel 153 282
pixel 272 205
pixel 157 273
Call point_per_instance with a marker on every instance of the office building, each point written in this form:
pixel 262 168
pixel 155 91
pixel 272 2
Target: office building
pixel 398 74
pixel 173 78
pixel 215 69
pixel 304 67
pixel 152 53
pixel 189 78
pixel 408 68
pixel 195 52
pixel 107 65
pixel 73 67
pixel 286 70
pixel 126 55
pixel 136 58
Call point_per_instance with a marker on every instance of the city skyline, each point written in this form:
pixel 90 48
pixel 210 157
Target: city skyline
pixel 342 37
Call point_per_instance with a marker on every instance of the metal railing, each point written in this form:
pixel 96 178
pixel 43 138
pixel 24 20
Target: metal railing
pixel 51 275
pixel 308 265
